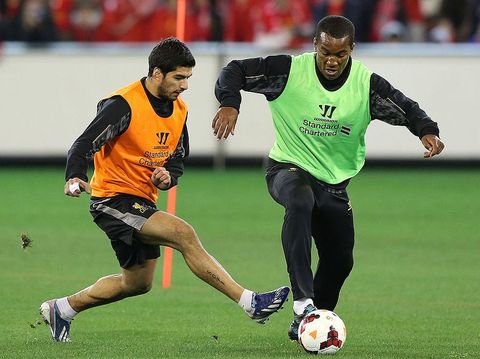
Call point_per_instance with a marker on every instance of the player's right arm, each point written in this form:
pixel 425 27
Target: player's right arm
pixel 112 119
pixel 267 76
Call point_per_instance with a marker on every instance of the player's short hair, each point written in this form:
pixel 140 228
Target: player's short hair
pixel 337 27
pixel 169 54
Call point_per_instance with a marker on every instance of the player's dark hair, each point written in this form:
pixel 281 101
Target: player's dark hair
pixel 337 27
pixel 169 54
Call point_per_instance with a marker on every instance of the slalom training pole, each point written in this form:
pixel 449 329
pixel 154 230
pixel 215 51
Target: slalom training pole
pixel 168 252
pixel 172 192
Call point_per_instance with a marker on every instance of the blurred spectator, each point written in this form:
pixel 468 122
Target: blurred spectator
pixel 393 31
pixel 165 22
pixel 61 11
pixel 239 20
pixel 450 21
pixel 203 21
pixel 282 23
pixel 33 23
pixel 358 12
pixel 430 8
pixel 415 21
pixel 2 20
pixel 440 30
pixel 436 28
pixel 475 33
pixel 198 26
pixel 8 11
pixel 128 20
pixel 459 14
pixel 398 20
pixel 85 20
pixel 9 8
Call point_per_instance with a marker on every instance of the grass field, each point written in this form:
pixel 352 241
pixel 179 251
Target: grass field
pixel 414 291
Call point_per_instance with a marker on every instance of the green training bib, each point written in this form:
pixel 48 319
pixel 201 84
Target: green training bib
pixel 321 131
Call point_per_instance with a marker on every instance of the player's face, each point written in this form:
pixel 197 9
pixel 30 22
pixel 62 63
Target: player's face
pixel 173 83
pixel 332 54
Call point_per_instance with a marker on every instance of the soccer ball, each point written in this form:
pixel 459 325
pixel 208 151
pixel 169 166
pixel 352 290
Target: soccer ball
pixel 322 332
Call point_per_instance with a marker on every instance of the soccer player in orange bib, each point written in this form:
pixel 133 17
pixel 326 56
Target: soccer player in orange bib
pixel 139 141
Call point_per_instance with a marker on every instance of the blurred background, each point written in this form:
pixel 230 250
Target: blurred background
pixel 287 23
pixel 59 57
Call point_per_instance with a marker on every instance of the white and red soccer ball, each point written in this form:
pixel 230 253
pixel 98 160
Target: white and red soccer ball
pixel 322 332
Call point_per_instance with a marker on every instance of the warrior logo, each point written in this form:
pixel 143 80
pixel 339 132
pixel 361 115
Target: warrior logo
pixel 163 137
pixel 327 110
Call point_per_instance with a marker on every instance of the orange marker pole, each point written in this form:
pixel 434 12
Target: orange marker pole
pixel 172 193
pixel 168 253
pixel 181 15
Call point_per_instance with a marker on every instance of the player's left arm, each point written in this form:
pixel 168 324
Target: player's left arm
pixel 390 105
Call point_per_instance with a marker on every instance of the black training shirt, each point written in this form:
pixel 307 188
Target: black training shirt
pixel 269 76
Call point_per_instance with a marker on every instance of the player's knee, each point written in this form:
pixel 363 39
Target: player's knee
pixel 187 237
pixel 301 202
pixel 137 288
pixel 185 232
pixel 143 288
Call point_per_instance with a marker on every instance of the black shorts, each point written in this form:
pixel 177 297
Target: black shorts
pixel 120 217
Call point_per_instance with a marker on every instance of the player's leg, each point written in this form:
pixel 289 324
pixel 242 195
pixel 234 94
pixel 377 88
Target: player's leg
pixel 291 188
pixel 333 233
pixel 138 263
pixel 123 218
pixel 119 217
pixel 165 229
pixel 132 281
pixel 168 230
pixel 58 313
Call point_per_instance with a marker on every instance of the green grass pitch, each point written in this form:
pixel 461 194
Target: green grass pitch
pixel 414 291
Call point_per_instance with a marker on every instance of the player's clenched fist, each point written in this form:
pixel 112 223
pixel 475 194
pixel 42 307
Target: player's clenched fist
pixel 161 178
pixel 74 187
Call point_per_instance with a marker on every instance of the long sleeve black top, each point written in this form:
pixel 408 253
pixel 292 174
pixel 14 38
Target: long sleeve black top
pixel 269 75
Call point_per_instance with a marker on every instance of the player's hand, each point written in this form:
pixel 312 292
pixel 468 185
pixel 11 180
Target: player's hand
pixel 433 145
pixel 75 186
pixel 161 178
pixel 224 122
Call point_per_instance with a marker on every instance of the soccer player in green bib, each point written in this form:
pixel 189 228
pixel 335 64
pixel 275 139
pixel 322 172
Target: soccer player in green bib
pixel 321 105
